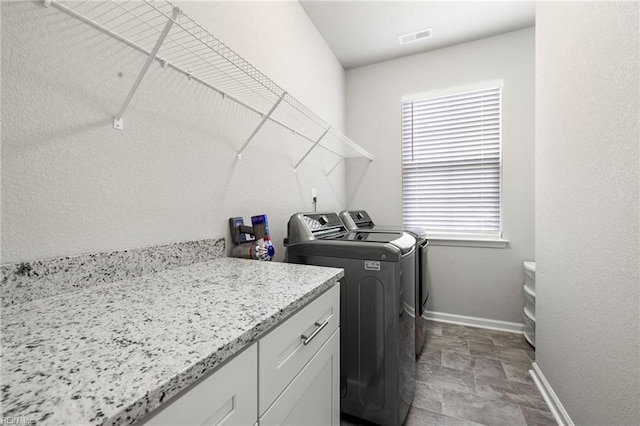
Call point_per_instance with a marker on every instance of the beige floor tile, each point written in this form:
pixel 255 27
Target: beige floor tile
pixel 501 353
pixel 510 340
pixel 480 366
pixel 481 410
pixel 523 394
pixel 419 417
pixel 433 328
pixel 535 417
pixel 518 372
pixel 446 378
pixel 442 342
pixel 467 333
pixel 428 397
pixel 431 356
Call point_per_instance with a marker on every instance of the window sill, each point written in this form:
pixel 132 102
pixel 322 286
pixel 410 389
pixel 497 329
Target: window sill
pixel 466 241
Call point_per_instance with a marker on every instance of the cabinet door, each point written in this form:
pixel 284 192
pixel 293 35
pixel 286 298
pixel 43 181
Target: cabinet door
pixel 313 397
pixel 289 347
pixel 226 397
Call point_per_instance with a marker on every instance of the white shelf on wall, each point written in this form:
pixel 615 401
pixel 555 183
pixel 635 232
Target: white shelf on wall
pixel 162 31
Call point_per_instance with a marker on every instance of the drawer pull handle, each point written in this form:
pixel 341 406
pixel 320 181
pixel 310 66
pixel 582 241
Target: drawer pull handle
pixel 307 340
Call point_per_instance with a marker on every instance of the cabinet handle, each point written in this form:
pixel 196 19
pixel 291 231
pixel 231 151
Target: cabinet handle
pixel 307 340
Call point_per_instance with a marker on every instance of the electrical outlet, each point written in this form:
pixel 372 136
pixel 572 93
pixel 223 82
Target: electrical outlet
pixel 314 199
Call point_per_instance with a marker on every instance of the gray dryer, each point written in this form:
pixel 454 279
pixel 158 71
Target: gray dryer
pixel 360 220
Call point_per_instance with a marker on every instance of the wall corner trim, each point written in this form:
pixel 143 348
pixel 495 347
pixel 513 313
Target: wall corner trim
pixel 513 327
pixel 550 397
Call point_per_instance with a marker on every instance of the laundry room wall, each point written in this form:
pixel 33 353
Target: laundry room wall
pixel 72 184
pixel 483 283
pixel 587 215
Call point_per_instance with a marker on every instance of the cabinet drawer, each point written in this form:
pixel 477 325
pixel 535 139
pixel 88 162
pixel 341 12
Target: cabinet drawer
pixel 227 396
pixel 283 352
pixel 312 398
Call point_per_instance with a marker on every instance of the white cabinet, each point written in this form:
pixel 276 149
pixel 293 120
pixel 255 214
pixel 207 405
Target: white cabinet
pixel 312 398
pixel 285 351
pixel 299 367
pixel 227 396
pixel 291 376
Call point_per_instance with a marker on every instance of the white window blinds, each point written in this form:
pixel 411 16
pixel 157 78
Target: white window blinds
pixel 451 163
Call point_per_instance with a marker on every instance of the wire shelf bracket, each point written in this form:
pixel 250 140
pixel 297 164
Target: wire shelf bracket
pixel 259 126
pixel 118 123
pixel 335 166
pixel 310 149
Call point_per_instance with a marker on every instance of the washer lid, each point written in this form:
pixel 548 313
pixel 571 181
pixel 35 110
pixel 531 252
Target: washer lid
pixel 417 232
pixel 346 249
pixel 373 236
pixel 360 219
pixel 401 240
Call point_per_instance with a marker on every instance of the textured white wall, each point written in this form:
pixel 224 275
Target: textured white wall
pixel 479 282
pixel 73 184
pixel 587 208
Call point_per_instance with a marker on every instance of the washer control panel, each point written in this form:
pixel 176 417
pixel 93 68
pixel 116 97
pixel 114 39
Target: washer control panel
pixel 322 221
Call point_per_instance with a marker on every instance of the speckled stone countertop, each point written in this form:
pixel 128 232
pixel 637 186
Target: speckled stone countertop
pixel 111 353
pixel 26 281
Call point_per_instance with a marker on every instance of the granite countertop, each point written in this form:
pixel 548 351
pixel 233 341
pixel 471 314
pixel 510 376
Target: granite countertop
pixel 109 354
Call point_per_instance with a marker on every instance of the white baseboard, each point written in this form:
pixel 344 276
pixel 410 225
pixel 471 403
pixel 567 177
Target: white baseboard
pixel 513 327
pixel 550 397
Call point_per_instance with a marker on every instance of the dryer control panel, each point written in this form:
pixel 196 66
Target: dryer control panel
pixel 356 219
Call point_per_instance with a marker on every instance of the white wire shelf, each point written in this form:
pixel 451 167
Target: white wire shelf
pixel 162 31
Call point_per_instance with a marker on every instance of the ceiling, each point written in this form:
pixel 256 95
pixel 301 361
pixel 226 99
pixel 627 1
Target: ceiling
pixel 365 32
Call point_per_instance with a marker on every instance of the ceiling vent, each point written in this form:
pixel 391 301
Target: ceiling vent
pixel 416 36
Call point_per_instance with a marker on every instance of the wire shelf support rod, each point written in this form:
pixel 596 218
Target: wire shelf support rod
pixel 259 126
pixel 310 149
pixel 118 123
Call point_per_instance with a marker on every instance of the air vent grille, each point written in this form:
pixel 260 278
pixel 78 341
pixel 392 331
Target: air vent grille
pixel 416 36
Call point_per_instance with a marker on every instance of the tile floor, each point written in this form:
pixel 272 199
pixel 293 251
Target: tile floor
pixel 471 376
